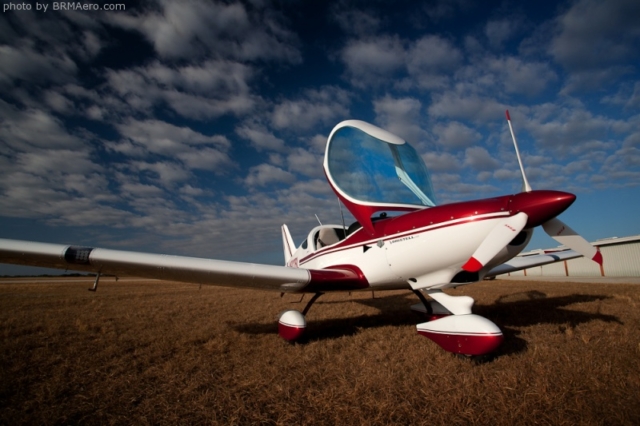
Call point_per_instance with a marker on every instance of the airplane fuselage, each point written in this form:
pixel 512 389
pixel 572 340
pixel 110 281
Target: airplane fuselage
pixel 429 245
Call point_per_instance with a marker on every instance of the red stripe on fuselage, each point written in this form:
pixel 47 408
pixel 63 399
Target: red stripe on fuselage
pixel 424 220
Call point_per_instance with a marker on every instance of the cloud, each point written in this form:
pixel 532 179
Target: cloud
pixel 372 61
pixel 24 129
pixel 265 174
pixel 325 106
pixel 571 132
pixel 193 149
pixel 212 160
pixel 594 79
pixel 165 172
pixel 444 9
pixel 44 162
pixel 356 22
pixel 479 159
pixel 211 89
pixel 27 64
pixel 160 137
pixel 455 135
pixel 400 116
pixel 318 143
pixel 431 60
pixel 197 29
pixel 261 138
pixel 449 188
pixel 176 150
pixel 305 163
pixel 467 107
pixel 628 96
pixel 442 162
pixel 499 31
pixel 520 77
pixel 593 34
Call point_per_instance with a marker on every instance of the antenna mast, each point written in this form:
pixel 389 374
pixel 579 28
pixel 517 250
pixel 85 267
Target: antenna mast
pixel 525 184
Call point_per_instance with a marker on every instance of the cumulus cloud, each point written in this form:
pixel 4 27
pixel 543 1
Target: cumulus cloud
pixel 261 138
pixel 22 129
pixel 520 77
pixel 325 106
pixel 265 174
pixel 479 158
pixel 180 149
pixel 593 34
pixel 596 42
pixel 211 89
pixel 455 135
pixel 165 172
pixel 223 30
pixel 571 132
pixel 400 116
pixel 373 61
pixel 356 22
pixel 164 138
pixel 431 61
pixel 25 63
pixel 442 162
pixel 467 107
pixel 499 31
pixel 305 163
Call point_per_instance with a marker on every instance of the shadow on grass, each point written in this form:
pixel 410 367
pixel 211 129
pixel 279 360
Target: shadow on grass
pixel 530 308
pixel 508 312
pixel 393 312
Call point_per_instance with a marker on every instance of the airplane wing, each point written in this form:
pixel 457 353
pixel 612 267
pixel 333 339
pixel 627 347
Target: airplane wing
pixel 524 262
pixel 178 268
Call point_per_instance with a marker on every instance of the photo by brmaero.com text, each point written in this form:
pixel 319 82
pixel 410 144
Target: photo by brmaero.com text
pixel 61 5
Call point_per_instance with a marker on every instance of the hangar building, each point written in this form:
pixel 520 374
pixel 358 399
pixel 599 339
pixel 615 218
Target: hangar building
pixel 621 258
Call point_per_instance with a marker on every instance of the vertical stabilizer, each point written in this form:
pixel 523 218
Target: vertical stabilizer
pixel 287 243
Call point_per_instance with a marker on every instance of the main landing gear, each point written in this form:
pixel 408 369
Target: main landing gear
pixel 450 324
pixel 292 324
pixel 454 328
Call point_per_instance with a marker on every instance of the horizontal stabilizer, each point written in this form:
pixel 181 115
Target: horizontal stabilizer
pixel 524 262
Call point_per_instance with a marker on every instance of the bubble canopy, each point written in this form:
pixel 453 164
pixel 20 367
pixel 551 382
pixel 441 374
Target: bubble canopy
pixel 369 166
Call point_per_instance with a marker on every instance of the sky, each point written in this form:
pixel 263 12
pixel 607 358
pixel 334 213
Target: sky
pixel 198 127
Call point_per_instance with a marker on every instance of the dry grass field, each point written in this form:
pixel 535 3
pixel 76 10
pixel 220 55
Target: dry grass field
pixel 150 352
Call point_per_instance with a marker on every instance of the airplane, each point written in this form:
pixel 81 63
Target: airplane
pixel 401 239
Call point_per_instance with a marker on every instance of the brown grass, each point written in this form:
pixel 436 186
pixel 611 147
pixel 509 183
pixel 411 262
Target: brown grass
pixel 148 352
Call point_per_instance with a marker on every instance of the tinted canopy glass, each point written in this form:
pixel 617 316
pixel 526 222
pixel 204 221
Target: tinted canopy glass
pixel 369 169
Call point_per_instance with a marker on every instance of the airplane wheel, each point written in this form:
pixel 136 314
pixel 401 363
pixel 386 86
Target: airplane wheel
pixel 291 325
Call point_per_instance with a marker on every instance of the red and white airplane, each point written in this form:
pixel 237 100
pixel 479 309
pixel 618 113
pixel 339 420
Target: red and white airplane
pixel 401 240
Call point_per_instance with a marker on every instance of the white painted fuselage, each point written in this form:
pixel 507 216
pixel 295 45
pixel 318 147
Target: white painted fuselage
pixel 392 261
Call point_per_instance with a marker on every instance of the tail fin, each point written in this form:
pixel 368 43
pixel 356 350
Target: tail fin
pixel 287 243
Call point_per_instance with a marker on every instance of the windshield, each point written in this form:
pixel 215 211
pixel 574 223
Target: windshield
pixel 372 170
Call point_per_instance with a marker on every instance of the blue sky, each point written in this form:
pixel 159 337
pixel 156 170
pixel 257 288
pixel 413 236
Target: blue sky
pixel 198 127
